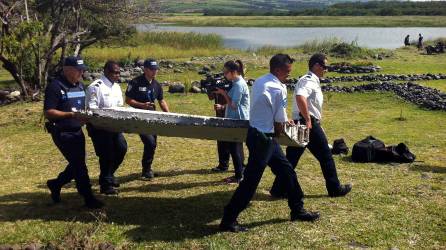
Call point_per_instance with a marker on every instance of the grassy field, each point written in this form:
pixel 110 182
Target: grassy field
pixel 391 206
pixel 306 21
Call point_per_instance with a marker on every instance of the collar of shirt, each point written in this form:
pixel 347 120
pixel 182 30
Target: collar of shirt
pixel 106 81
pixel 273 78
pixel 315 77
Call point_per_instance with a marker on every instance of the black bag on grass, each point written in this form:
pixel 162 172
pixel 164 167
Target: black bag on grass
pixel 399 153
pixel 339 147
pixel 366 150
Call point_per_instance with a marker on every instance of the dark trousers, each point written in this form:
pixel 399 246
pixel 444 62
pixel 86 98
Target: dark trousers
pixel 111 148
pixel 223 154
pixel 236 151
pixel 263 151
pixel 224 151
pixel 149 142
pixel 318 146
pixel 72 147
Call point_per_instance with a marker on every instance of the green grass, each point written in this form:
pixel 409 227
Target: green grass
pixel 307 21
pixel 390 206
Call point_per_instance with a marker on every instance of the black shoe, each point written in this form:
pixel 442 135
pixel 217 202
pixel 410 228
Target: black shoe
pixel 93 203
pixel 108 190
pixel 219 168
pixel 147 175
pixel 54 189
pixel 232 227
pixel 304 215
pixel 342 191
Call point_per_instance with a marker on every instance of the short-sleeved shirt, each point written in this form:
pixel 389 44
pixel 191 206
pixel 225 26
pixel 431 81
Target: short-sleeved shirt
pixel 141 90
pixel 239 94
pixel 102 93
pixel 268 103
pixel 309 87
pixel 64 96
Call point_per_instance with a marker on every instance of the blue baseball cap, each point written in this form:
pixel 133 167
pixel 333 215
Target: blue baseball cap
pixel 151 64
pixel 75 61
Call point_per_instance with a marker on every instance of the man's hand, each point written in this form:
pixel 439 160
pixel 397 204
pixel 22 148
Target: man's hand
pixel 148 105
pixel 308 123
pixel 218 107
pixel 290 123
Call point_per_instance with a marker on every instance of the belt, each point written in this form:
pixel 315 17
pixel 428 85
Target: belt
pixel 267 134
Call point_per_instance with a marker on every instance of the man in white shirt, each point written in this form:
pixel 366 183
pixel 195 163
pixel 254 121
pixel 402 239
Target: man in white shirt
pixel 307 108
pixel 267 119
pixel 110 147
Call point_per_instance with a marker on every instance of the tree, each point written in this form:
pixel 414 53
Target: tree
pixel 34 32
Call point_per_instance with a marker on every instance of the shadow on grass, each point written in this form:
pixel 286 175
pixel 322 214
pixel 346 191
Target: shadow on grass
pixel 156 218
pixel 159 187
pixel 427 168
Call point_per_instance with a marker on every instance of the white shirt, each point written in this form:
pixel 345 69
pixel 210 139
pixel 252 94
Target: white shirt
pixel 268 103
pixel 104 94
pixel 309 87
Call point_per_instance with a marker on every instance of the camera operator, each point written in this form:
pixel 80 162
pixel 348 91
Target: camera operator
pixel 236 107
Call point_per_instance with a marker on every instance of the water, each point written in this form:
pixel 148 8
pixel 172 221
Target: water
pixel 250 37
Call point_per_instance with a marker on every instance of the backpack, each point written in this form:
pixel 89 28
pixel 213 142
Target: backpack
pixel 399 153
pixel 339 147
pixel 366 150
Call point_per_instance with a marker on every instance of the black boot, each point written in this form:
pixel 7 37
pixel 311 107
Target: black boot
pixel 342 191
pixel 304 215
pixel 54 187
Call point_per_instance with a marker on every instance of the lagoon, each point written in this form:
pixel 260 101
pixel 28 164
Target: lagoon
pixel 255 37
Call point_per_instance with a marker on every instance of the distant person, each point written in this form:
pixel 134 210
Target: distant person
pixel 307 108
pixel 407 41
pixel 110 147
pixel 237 107
pixel 267 116
pixel 141 93
pixel 64 95
pixel 420 41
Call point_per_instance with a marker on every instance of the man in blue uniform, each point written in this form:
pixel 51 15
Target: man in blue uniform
pixel 110 147
pixel 63 96
pixel 141 94
pixel 267 116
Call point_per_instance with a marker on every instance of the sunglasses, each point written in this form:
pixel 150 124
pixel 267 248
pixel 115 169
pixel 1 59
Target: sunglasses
pixel 323 66
pixel 116 72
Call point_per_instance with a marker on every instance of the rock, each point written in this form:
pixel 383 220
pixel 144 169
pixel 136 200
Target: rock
pixel 177 71
pixel 106 246
pixel 96 75
pixel 139 63
pixel 176 88
pixel 195 89
pixel 125 74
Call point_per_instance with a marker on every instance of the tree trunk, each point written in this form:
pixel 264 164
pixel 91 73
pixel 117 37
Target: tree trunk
pixel 12 69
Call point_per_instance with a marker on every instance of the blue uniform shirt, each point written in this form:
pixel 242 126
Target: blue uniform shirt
pixel 268 103
pixel 239 94
pixel 64 96
pixel 140 90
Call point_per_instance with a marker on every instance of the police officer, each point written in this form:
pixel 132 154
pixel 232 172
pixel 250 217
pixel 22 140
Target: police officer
pixel 267 119
pixel 141 94
pixel 307 107
pixel 110 147
pixel 64 95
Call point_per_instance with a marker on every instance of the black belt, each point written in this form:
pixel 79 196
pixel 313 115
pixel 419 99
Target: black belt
pixel 267 134
pixel 313 119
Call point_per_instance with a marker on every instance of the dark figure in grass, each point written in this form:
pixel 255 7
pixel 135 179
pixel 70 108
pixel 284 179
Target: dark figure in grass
pixel 420 41
pixel 407 41
pixel 267 118
pixel 64 95
pixel 142 92
pixel 307 109
pixel 110 147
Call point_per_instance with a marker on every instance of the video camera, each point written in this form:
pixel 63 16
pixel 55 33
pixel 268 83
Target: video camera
pixel 214 81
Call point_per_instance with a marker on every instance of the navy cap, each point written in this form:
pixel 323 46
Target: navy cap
pixel 75 61
pixel 151 64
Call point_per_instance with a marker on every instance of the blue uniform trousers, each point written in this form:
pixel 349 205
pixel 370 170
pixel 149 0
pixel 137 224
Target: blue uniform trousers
pixel 263 151
pixel 318 146
pixel 111 148
pixel 149 142
pixel 72 146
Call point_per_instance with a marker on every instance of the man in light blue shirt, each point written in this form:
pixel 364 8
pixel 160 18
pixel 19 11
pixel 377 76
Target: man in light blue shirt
pixel 267 119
